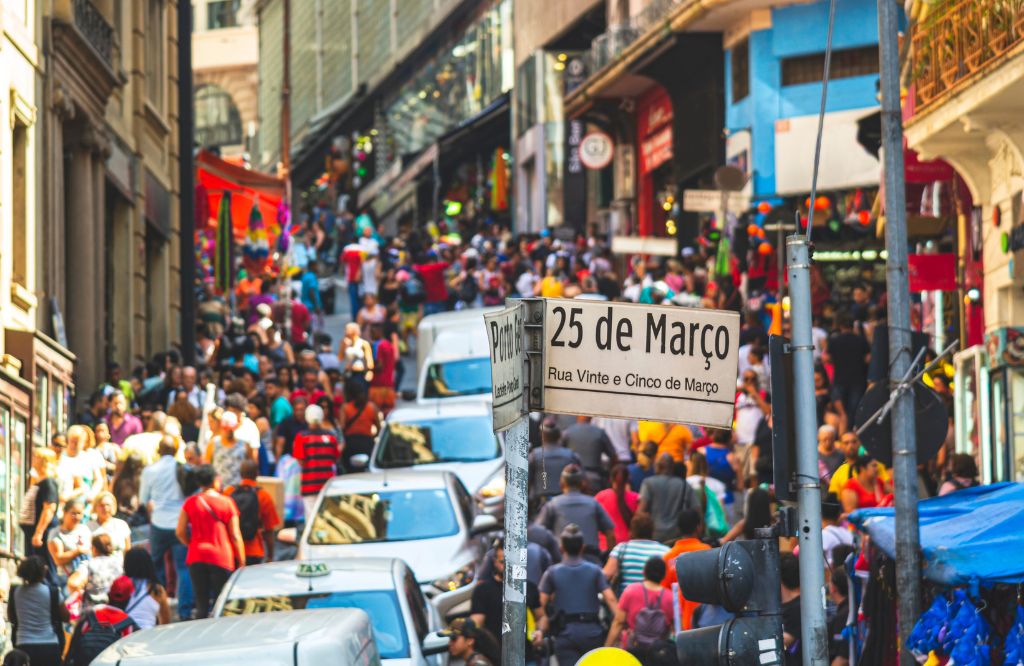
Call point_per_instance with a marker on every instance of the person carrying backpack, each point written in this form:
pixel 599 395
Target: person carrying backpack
pixel 102 625
pixel 257 515
pixel 643 620
pixel 36 614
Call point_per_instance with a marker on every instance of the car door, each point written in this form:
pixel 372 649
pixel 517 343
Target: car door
pixel 424 617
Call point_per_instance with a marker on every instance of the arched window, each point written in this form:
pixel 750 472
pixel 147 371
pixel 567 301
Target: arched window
pixel 218 122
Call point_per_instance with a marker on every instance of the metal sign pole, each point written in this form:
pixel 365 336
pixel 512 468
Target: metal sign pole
pixel 812 560
pixel 513 626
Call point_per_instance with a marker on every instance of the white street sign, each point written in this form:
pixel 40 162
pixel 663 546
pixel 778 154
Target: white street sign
pixel 625 360
pixel 505 335
pixel 710 201
pixel 596 150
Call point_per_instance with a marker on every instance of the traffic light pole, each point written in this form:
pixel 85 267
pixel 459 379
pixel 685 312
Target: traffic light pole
pixel 812 561
pixel 904 443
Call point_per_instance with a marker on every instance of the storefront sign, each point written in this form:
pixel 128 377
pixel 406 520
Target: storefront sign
pixel 625 360
pixel 655 150
pixel 596 150
pixel 574 186
pixel 932 272
pixel 654 129
pixel 505 338
pixel 710 201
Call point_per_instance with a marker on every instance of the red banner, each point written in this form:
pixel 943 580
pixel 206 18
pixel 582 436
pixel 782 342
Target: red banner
pixel 932 272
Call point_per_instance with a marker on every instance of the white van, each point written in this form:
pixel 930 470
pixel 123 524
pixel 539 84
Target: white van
pixel 432 326
pixel 342 636
pixel 458 366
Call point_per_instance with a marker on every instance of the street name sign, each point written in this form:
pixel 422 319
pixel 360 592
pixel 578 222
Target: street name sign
pixel 710 201
pixel 633 361
pixel 505 335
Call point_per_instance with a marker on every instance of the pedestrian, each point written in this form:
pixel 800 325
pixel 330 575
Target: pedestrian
pixel 208 525
pixel 850 445
pixel 642 622
pixel 963 474
pixel 619 502
pixel 573 507
pixel 362 423
pixel 371 313
pixel 473 645
pixel 547 462
pixel 257 516
pixel 95 575
pixel 148 605
pixel 163 491
pixel 69 543
pixel 690 525
pixel 247 432
pixel 36 615
pixel 626 560
pixel 672 438
pixel 711 492
pixel 789 574
pixel 107 522
pixel 356 355
pixel 122 423
pixel 848 353
pixel 644 465
pixel 572 589
pixel 663 496
pixel 385 358
pixel 620 432
pixel 292 424
pixel 39 507
pixel 829 457
pixel 838 635
pixel 78 473
pixel 724 466
pixel 126 484
pixel 102 626
pixel 227 452
pixel 864 490
pixel 590 444
pixel 833 535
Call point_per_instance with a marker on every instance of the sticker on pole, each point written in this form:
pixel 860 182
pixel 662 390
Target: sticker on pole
pixel 505 335
pixel 630 361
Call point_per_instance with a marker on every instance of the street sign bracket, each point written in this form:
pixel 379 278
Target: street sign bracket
pixel 533 333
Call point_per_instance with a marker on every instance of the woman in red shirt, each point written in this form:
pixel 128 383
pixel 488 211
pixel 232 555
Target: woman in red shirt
pixel 208 525
pixel 620 503
pixel 864 490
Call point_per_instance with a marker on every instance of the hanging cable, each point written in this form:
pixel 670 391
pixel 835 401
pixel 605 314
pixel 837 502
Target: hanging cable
pixel 821 118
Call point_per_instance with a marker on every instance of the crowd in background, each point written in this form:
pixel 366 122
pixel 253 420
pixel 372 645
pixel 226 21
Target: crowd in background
pixel 176 450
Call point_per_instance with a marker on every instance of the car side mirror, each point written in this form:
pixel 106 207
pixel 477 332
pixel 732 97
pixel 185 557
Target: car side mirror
pixel 288 535
pixel 434 643
pixel 484 523
pixel 408 395
pixel 360 461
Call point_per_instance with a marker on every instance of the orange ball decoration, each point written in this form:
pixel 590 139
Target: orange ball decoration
pixel 865 217
pixel 764 249
pixel 807 203
pixel 752 229
pixel 760 232
pixel 764 208
pixel 821 203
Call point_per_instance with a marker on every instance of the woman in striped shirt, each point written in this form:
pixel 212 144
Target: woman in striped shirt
pixel 626 561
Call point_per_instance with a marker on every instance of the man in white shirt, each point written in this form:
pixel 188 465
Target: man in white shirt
pixel 247 431
pixel 620 432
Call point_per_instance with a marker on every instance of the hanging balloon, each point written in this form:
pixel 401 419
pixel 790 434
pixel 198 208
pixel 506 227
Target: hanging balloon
pixel 752 229
pixel 764 208
pixel 760 232
pixel 764 249
pixel 822 203
pixel 864 217
pixel 803 220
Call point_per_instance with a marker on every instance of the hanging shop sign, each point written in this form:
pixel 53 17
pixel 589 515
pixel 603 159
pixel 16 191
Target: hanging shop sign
pixel 932 272
pixel 654 129
pixel 625 360
pixel 596 150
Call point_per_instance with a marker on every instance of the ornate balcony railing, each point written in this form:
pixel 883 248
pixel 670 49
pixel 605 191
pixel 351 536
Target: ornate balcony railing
pixel 607 46
pixel 960 40
pixel 94 28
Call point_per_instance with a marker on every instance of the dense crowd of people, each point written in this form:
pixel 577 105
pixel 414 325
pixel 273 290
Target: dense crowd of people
pixel 176 450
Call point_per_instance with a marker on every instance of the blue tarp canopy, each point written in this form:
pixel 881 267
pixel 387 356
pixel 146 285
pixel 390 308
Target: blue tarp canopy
pixel 972 535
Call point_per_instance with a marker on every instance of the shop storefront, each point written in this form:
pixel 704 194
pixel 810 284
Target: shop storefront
pixel 656 190
pixel 50 367
pixel 989 405
pixel 15 415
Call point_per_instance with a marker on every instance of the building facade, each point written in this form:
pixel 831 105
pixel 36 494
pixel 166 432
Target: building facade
pixel 964 106
pixel 225 52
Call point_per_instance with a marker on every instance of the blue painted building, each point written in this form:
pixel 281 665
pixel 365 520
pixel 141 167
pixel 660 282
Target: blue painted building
pixel 773 72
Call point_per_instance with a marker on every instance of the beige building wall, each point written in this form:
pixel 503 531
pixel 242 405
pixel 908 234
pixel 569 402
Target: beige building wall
pixel 537 22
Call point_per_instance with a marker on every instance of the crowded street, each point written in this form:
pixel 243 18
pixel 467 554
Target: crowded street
pixel 509 332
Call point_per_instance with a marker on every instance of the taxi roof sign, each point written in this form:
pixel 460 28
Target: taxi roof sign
pixel 312 569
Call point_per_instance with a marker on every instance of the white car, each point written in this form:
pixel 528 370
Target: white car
pixel 427 518
pixel 384 588
pixel 432 326
pixel 455 437
pixel 302 638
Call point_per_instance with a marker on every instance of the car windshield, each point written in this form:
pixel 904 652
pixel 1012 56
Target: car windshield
pixel 381 605
pixel 437 440
pixel 387 515
pixel 471 376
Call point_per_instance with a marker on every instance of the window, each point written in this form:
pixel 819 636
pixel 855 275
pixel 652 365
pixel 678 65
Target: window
pixel 847 63
pixel 387 515
pixel 425 441
pixel 155 49
pixel 740 60
pixel 19 205
pixel 218 122
pixel 222 14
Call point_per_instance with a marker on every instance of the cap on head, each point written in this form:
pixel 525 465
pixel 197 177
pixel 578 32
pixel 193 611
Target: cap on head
pixel 462 626
pixel 229 420
pixel 121 590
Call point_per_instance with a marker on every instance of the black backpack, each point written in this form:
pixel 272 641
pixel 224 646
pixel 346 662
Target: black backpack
pixel 412 291
pixel 248 502
pixel 186 476
pixel 469 289
pixel 93 637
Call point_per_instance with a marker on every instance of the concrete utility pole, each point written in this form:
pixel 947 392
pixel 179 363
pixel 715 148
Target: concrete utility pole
pixel 186 187
pixel 904 444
